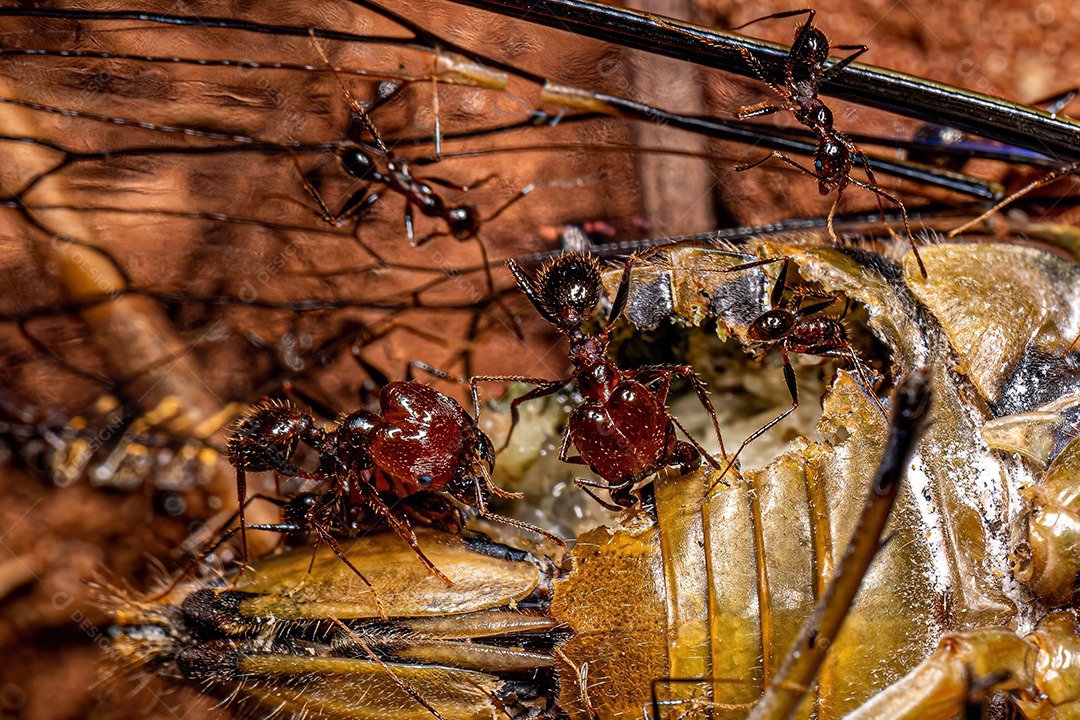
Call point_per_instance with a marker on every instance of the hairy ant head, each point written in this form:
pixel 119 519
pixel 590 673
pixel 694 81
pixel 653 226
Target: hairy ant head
pixel 569 288
pixel 267 437
pixel 771 326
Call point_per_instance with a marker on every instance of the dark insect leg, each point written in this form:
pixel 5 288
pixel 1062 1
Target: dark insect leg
pixel 482 508
pixel 874 188
pixel 834 70
pixel 1044 180
pixel 401 527
pixel 666 371
pixel 543 387
pixel 793 390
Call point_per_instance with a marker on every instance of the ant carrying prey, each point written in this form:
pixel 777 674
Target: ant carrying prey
pixel 798 91
pixel 423 448
pixel 622 430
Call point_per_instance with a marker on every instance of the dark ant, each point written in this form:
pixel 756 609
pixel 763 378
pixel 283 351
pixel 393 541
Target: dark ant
pixel 423 447
pixel 836 152
pixel 622 430
pixel 798 328
pixel 463 222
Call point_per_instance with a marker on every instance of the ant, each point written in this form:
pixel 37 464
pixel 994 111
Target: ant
pixel 797 328
pixel 622 430
pixel 463 222
pixel 836 152
pixel 423 448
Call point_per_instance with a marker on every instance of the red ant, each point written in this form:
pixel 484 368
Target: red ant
pixel 423 447
pixel 622 430
pixel 797 328
pixel 836 152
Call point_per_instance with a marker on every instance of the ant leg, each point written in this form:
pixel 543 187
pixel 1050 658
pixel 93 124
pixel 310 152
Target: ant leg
pixel 1044 180
pixel 506 205
pixel 332 543
pixel 443 182
pixel 482 508
pixel 410 227
pixel 793 390
pixel 780 16
pixel 832 214
pixel 401 527
pixel 866 383
pixel 834 70
pixel 703 396
pixel 222 540
pixel 543 387
pixel 743 167
pixel 876 189
pixel 586 485
pixel 360 113
pixel 776 295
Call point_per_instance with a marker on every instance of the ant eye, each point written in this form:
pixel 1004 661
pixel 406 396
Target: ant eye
pixel 424 481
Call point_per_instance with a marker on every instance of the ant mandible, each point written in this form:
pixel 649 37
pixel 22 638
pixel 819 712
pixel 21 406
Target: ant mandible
pixel 422 447
pixel 622 430
pixel 797 328
pixel 835 155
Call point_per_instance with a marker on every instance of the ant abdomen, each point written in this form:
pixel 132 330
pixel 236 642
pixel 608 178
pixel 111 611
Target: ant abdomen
pixel 624 436
pixel 815 335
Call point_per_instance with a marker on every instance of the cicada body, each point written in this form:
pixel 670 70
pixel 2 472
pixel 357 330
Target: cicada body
pixel 281 638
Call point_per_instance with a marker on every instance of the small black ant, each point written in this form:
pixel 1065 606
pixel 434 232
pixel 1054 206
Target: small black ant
pixel 423 447
pixel 622 430
pixel 463 222
pixel 836 152
pixel 798 328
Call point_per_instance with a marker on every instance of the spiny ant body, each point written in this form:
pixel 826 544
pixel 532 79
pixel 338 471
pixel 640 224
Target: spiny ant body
pixel 622 430
pixel 798 328
pixel 836 153
pixel 423 448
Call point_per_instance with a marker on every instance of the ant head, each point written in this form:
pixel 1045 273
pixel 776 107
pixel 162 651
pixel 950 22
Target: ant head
pixel 268 436
pixel 771 326
pixel 359 164
pixel 569 288
pixel 812 52
pixel 463 221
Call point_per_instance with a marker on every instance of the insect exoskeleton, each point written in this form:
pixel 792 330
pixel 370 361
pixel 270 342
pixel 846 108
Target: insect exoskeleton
pixel 477 649
pixel 729 576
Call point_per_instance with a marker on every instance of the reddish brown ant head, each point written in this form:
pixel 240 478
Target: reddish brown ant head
pixel 569 288
pixel 771 326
